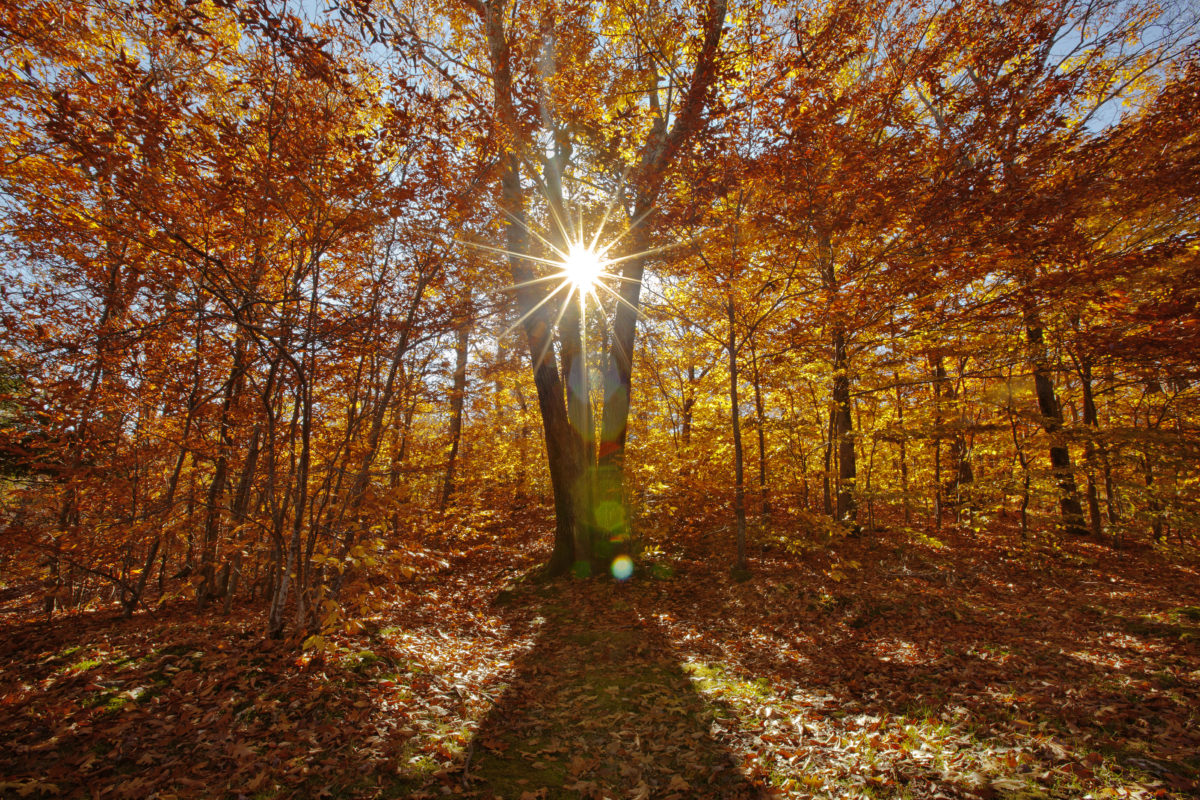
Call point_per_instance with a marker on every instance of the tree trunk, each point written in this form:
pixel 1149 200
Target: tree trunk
pixel 827 475
pixel 844 431
pixel 235 574
pixel 1024 461
pixel 563 450
pixel 739 489
pixel 661 147
pixel 139 591
pixel 1093 451
pixel 903 450
pixel 764 500
pixel 939 377
pixel 216 488
pixel 457 396
pixel 1052 423
pixel 686 432
pixel 960 447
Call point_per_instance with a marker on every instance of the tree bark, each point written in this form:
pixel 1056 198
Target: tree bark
pixel 903 450
pixel 739 486
pixel 661 148
pixel 457 396
pixel 216 488
pixel 843 431
pixel 130 603
pixel 764 500
pixel 565 448
pixel 1052 423
pixel 939 376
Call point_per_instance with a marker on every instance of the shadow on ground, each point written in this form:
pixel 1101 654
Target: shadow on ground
pixel 971 673
pixel 600 707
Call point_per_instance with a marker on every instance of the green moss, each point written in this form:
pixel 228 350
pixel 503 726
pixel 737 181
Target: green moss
pixel 116 703
pixel 713 678
pixel 659 571
pixel 1173 627
pixel 1188 612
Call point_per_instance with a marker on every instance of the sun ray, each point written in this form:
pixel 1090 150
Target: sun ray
pixel 623 278
pixel 632 227
pixel 562 310
pixel 563 227
pixel 547 261
pixel 532 282
pixel 534 232
pixel 622 300
pixel 577 263
pixel 612 203
pixel 662 248
pixel 533 310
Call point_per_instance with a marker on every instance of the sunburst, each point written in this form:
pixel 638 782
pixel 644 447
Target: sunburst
pixel 578 264
pixel 583 267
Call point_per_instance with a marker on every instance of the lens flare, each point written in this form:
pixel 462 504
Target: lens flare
pixel 622 568
pixel 582 267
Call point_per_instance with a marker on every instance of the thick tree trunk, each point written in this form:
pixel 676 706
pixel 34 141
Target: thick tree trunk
pixel 662 146
pixel 618 378
pixel 563 450
pixel 563 447
pixel 594 534
pixel 564 459
pixel 1052 423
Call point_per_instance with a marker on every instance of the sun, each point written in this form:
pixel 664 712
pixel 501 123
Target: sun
pixel 582 267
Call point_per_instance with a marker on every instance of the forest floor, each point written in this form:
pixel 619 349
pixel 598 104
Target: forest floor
pixel 889 665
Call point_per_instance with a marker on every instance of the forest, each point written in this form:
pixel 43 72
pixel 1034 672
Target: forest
pixel 600 399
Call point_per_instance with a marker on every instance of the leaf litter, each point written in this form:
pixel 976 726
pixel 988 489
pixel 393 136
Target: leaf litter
pixel 880 666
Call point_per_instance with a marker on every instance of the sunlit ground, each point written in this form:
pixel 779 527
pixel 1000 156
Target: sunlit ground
pixel 876 667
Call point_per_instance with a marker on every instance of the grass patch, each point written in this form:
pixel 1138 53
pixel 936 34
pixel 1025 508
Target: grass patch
pixel 714 679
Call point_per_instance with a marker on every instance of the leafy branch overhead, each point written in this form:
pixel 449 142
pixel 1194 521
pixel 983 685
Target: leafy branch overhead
pixel 738 381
